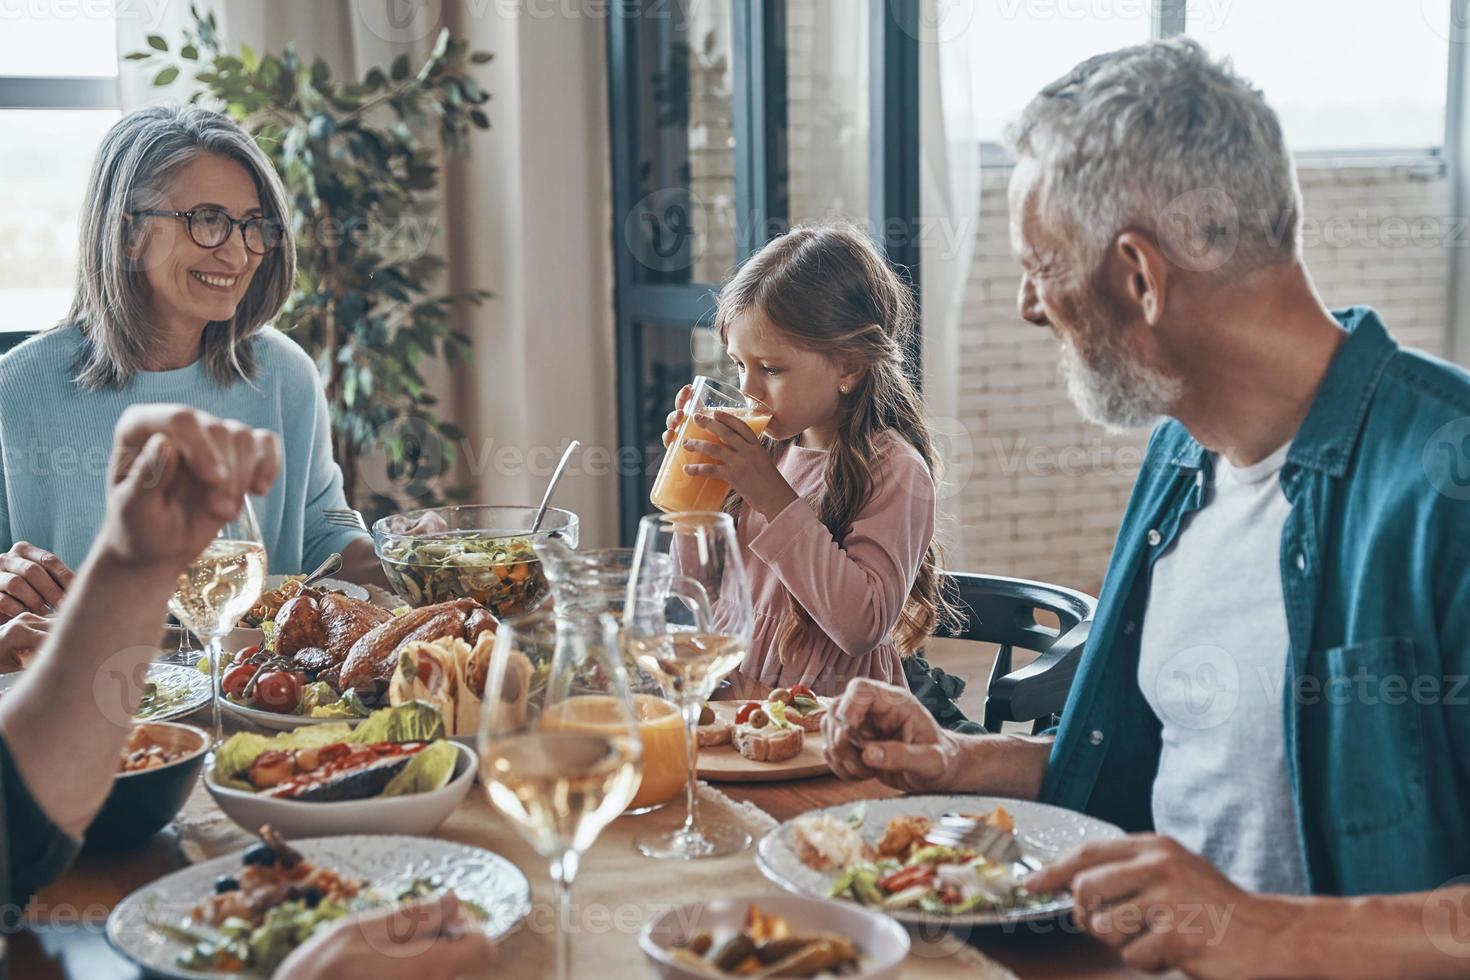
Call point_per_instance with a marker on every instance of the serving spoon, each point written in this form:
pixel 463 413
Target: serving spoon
pixel 566 457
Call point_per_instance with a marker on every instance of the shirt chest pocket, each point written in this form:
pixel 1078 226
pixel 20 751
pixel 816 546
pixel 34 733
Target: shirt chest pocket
pixel 1369 720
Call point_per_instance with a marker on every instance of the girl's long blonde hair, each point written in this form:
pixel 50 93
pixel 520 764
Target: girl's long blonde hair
pixel 830 290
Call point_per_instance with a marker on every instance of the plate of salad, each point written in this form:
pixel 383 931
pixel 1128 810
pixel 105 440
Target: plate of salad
pixel 242 914
pixel 874 853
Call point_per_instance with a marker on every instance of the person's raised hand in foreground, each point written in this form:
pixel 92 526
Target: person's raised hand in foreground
pixel 176 476
pixel 427 940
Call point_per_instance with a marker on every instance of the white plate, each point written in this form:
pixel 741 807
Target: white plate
pixel 198 682
pixel 385 861
pixel 419 813
pixel 176 674
pixel 1045 832
pixel 278 722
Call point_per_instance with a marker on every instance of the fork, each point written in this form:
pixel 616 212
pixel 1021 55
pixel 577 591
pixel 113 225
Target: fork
pixel 344 518
pixel 991 843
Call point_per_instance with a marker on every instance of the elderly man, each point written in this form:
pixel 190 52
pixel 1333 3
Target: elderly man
pixel 1274 684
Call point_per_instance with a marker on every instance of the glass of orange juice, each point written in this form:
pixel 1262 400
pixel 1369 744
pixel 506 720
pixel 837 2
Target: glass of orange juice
pixel 660 726
pixel 673 489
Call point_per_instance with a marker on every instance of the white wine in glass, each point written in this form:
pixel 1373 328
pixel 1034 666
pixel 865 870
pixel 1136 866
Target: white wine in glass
pixel 218 588
pixel 689 631
pixel 560 753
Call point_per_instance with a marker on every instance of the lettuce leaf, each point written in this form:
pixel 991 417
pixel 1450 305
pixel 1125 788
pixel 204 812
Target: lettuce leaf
pixel 430 769
pixel 412 722
pixel 416 721
pixel 348 705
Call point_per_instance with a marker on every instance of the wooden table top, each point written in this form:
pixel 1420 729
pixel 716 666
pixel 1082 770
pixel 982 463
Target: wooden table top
pixel 66 939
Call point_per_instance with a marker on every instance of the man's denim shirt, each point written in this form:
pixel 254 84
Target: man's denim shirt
pixel 1375 573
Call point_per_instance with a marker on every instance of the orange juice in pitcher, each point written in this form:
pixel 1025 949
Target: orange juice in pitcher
pixel 673 489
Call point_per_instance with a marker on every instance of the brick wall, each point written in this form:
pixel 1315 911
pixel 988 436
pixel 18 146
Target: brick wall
pixel 1046 490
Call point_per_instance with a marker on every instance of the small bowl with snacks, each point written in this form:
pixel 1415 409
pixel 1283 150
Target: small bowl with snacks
pixel 395 773
pixel 480 552
pixel 773 936
pixel 159 765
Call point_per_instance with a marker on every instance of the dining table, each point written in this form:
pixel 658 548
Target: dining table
pixel 64 934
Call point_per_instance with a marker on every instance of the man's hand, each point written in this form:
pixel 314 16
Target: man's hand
pixel 428 940
pixel 176 476
pixel 880 731
pixel 31 580
pixel 1165 907
pixel 20 638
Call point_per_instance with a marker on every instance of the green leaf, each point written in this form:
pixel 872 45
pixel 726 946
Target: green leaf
pixel 166 76
pixel 157 43
pixel 248 58
pixel 189 53
pixel 399 70
pixel 479 119
pixel 481 57
pixel 138 56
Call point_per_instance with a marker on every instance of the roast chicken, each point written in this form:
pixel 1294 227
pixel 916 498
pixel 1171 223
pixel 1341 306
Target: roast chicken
pixel 370 663
pixel 328 623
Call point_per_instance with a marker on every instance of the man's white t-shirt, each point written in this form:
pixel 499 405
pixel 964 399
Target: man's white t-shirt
pixel 1212 665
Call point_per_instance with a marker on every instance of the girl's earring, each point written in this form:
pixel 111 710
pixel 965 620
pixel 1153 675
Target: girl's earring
pixel 842 388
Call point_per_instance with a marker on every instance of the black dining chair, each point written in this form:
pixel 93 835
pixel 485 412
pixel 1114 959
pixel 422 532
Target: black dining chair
pixel 1003 611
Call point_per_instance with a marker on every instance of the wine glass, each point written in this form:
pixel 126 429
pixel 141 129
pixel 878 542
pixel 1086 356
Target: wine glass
pixel 560 753
pixel 218 588
pixel 689 630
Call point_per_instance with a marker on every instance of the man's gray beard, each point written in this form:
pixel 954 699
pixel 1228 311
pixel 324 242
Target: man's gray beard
pixel 1115 391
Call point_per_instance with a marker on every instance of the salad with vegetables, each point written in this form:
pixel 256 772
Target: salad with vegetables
pixel 903 871
pixel 503 574
pixel 255 917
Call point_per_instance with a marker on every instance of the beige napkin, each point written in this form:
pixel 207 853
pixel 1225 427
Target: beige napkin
pixel 617 890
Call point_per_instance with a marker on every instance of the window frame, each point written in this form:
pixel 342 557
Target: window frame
pixel 36 92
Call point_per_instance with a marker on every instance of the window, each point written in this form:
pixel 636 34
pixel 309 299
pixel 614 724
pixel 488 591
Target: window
pixel 1341 74
pixel 1019 46
pixel 58 96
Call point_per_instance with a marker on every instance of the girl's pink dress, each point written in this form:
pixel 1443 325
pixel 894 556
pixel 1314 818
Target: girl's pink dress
pixel 854 592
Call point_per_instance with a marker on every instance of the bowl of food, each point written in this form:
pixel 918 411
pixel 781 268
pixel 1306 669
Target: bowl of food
pixel 159 765
pixel 789 936
pixel 479 552
pixel 393 774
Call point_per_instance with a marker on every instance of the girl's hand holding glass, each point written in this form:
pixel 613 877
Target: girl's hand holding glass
pixel 742 461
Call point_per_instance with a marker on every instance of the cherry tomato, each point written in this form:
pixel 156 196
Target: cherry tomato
pixel 245 654
pixel 426 668
pixel 745 712
pixel 802 691
pixel 235 679
pixel 278 691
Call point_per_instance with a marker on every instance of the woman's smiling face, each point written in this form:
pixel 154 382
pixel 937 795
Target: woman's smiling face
pixel 189 285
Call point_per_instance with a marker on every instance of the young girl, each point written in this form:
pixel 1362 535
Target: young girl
pixel 835 506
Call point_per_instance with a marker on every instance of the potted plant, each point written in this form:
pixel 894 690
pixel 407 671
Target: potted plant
pixel 360 161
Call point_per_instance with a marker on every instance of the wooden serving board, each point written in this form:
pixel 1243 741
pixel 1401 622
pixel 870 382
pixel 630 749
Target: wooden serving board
pixel 722 764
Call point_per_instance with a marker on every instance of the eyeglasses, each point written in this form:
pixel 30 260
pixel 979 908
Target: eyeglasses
pixel 211 228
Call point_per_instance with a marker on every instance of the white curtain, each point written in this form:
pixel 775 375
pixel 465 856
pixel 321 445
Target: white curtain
pixel 950 211
pixel 349 35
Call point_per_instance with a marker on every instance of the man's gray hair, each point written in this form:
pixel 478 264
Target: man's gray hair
pixel 138 158
pixel 1163 138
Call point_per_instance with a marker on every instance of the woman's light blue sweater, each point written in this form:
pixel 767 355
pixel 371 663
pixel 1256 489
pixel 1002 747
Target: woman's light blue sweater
pixel 56 439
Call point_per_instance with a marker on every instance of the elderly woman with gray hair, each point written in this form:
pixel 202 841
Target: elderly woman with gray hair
pixel 185 258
